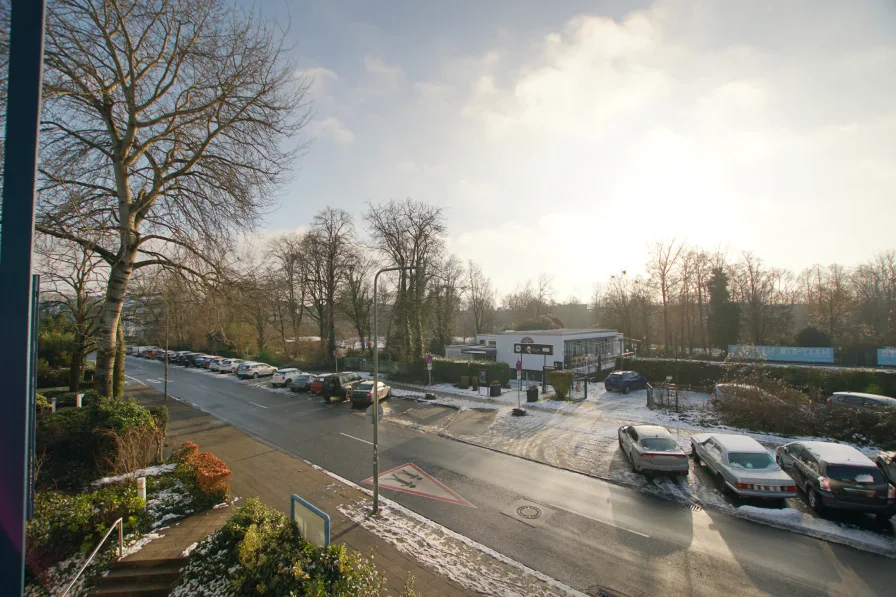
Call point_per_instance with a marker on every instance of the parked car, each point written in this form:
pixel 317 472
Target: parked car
pixel 837 476
pixel 215 364
pixel 652 449
pixel 742 465
pixel 625 381
pixel 301 382
pixel 338 385
pixel 187 359
pixel 861 400
pixel 178 356
pixel 283 377
pixel 201 361
pixel 362 394
pixel 130 349
pixel 207 364
pixel 886 462
pixel 317 384
pixel 230 365
pixel 254 370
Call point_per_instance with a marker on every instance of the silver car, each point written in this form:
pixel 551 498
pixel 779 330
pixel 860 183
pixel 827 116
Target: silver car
pixel 652 449
pixel 742 466
pixel 254 370
pixel 229 365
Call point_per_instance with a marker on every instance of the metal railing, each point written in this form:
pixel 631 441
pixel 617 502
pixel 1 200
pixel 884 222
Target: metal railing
pixel 118 523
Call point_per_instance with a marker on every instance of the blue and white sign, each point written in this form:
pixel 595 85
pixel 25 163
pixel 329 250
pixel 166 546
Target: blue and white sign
pixel 886 356
pixel 787 354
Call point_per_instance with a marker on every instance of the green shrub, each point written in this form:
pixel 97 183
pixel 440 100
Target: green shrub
pixel 562 381
pixel 259 551
pixel 160 416
pixel 65 524
pixel 48 377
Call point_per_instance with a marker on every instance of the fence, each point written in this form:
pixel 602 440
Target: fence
pixel 669 396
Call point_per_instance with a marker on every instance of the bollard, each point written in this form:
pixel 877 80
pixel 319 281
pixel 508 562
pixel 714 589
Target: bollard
pixel 53 405
pixel 78 400
pixel 141 489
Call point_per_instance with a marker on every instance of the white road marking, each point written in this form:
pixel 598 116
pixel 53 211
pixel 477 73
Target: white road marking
pixel 357 438
pixel 600 521
pixel 203 387
pixel 258 405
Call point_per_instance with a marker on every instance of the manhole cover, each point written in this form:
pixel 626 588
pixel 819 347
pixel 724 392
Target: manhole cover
pixel 529 512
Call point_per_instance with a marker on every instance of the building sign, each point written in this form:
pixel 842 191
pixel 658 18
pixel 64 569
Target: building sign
pixel 886 356
pixel 527 340
pixel 793 354
pixel 529 348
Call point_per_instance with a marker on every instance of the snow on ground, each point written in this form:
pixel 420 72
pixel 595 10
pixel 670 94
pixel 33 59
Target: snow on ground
pixel 57 578
pixel 471 565
pixel 151 471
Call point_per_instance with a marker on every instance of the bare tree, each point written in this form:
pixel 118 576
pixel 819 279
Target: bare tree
pixel 73 279
pixel 446 290
pixel 766 296
pixel 662 266
pixel 480 298
pixel 167 123
pixel 356 299
pixel 829 298
pixel 333 233
pixel 289 286
pixel 407 233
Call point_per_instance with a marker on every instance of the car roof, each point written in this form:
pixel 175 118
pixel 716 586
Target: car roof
pixel 251 363
pixel 621 372
pixel 736 443
pixel 288 369
pixel 837 453
pixel 866 395
pixel 651 431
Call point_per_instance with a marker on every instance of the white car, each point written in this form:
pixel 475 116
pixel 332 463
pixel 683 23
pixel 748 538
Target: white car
pixel 254 370
pixel 284 377
pixel 215 365
pixel 742 466
pixel 229 365
pixel 652 449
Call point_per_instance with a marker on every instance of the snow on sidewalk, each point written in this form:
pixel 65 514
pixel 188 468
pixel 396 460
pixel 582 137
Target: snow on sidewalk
pixel 466 562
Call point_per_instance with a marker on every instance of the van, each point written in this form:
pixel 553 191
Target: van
pixel 339 384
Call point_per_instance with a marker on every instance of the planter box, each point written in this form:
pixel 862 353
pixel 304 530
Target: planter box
pixel 494 391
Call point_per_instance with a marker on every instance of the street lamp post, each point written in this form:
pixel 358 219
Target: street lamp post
pixel 376 386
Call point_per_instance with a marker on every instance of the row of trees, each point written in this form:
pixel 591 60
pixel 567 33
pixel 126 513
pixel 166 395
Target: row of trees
pixel 692 298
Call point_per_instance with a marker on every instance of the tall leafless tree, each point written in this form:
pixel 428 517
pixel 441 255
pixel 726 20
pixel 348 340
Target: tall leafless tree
pixel 73 278
pixel 663 264
pixel 171 122
pixel 407 233
pixel 286 253
pixel 480 298
pixel 356 299
pixel 446 291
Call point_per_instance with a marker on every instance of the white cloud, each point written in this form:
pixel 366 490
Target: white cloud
pixel 381 78
pixel 320 81
pixel 333 129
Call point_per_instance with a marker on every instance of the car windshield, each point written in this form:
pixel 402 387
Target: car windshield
pixel 751 460
pixel 318 379
pixel 864 475
pixel 659 444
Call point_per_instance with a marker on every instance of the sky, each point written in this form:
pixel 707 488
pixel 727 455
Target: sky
pixel 566 136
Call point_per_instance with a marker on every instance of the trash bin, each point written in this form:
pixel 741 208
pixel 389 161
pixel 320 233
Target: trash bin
pixel 495 390
pixel 532 394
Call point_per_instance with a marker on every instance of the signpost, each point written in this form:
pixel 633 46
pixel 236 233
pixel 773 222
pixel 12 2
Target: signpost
pixel 518 411
pixel 429 366
pixel 338 353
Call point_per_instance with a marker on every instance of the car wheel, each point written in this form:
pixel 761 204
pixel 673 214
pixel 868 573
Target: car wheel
pixel 287 382
pixel 815 500
pixel 722 484
pixel 255 376
pixel 627 390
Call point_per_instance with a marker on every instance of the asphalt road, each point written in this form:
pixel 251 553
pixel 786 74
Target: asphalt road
pixel 590 535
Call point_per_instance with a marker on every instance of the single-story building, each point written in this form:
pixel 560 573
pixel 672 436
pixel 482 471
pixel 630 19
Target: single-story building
pixel 483 349
pixel 579 349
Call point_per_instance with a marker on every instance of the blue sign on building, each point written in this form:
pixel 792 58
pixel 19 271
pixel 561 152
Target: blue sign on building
pixel 786 354
pixel 886 356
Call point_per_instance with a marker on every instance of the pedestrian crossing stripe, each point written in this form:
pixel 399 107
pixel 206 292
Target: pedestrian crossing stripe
pixel 410 478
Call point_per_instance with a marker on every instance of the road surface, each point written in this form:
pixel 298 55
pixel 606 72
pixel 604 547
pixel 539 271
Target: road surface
pixel 589 534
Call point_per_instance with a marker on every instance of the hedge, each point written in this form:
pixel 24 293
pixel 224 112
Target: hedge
pixel 561 380
pixel 259 551
pixel 707 373
pixel 446 370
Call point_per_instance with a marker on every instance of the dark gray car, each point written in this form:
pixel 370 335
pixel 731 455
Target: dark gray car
pixel 837 476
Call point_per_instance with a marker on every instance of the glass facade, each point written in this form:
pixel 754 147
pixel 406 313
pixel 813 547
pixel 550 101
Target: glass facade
pixel 586 352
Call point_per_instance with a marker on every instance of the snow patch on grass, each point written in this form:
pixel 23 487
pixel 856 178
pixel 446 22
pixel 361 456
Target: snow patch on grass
pixel 152 471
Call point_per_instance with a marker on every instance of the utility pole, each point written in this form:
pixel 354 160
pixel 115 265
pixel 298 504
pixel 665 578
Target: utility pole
pixel 376 386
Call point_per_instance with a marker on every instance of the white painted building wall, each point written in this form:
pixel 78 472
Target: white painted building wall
pixel 556 338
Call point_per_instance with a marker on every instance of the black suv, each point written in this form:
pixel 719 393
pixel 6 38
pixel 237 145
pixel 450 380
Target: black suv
pixel 338 385
pixel 838 476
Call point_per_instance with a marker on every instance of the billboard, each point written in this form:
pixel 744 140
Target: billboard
pixel 782 354
pixel 886 356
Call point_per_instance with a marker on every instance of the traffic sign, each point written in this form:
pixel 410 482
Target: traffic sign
pixel 519 365
pixel 429 366
pixel 540 349
pixel 429 358
pixel 410 478
pixel 338 353
pixel 519 374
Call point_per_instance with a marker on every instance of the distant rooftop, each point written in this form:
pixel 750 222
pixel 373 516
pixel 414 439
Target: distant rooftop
pixel 560 332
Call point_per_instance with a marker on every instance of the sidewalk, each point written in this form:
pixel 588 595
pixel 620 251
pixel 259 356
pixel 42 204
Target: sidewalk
pixel 272 476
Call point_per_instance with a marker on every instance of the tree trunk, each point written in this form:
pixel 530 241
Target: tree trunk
pixel 118 370
pixel 74 380
pixel 107 330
